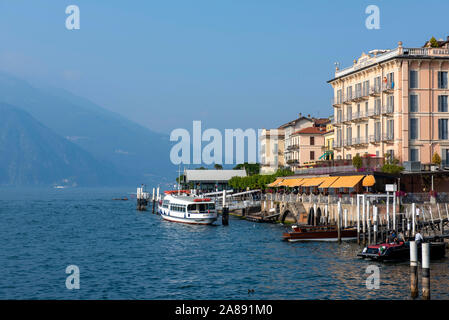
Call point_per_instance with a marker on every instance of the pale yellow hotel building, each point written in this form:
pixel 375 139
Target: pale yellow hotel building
pixel 393 101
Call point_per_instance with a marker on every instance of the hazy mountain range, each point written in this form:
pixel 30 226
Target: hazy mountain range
pixel 50 136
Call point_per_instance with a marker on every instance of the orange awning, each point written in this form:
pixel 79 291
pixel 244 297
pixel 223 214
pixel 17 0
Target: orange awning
pixel 313 182
pixel 290 182
pixel 276 182
pixel 328 182
pixel 347 182
pixel 369 181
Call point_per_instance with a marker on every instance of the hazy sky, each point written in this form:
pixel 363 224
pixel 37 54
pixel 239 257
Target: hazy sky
pixel 231 64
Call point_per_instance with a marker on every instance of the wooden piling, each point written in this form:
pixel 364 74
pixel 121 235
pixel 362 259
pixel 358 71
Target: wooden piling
pixel 425 271
pixel 339 221
pixel 358 219
pixel 375 223
pixel 364 220
pixel 224 211
pixel 153 201
pixel 413 270
pixel 368 221
pixel 413 219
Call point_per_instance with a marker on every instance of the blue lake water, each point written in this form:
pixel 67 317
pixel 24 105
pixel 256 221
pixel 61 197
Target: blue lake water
pixel 126 254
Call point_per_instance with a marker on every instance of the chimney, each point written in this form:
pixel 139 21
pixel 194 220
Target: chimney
pixel 308 116
pixel 300 114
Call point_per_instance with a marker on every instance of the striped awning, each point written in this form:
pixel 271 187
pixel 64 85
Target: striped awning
pixel 312 182
pixel 328 182
pixel 369 181
pixel 346 182
pixel 276 182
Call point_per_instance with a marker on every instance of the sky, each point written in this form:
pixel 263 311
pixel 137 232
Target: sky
pixel 229 63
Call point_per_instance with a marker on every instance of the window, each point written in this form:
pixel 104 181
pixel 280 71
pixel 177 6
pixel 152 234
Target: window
pixel 377 131
pixel 366 131
pixel 377 84
pixel 348 157
pixel 390 154
pixel 377 106
pixel 390 129
pixel 442 129
pixel 445 157
pixel 349 113
pixel 349 93
pixel 442 79
pixel 390 78
pixel 312 141
pixel 390 103
pixel 413 103
pixel 312 155
pixel 413 130
pixel 366 108
pixel 339 96
pixel 349 135
pixel 358 90
pixel 414 155
pixel 442 103
pixel 413 79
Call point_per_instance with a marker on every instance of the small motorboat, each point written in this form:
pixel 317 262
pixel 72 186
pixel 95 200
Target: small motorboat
pixel 319 233
pixel 400 251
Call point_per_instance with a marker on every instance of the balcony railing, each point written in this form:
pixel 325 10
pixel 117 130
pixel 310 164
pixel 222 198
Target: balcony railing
pixel 389 86
pixel 388 109
pixel 375 138
pixel 375 90
pixel 387 137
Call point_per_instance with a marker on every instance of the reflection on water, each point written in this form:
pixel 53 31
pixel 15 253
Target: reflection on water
pixel 126 254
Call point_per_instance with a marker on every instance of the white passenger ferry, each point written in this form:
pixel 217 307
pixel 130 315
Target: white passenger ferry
pixel 180 206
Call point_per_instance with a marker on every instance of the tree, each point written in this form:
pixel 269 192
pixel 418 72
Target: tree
pixel 201 168
pixel 434 43
pixel 250 168
pixel 218 166
pixel 391 165
pixel 436 159
pixel 357 161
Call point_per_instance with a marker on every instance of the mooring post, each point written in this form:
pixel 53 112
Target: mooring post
pixel 326 214
pixel 426 271
pixel 368 221
pixel 394 211
pixel 358 219
pixel 364 220
pixel 346 217
pixel 225 211
pixel 339 221
pixel 375 223
pixel 413 269
pixel 413 219
pixel 315 222
pixel 153 200
pixel 388 211
pixel 157 198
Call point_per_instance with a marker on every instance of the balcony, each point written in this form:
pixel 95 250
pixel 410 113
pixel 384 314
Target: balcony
pixel 359 141
pixel 388 137
pixel 388 87
pixel 375 138
pixel 388 110
pixel 337 144
pixel 348 117
pixel 359 116
pixel 375 91
pixel 337 101
pixel 374 113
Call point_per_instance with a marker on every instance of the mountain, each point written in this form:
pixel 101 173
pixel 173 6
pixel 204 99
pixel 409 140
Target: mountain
pixel 138 153
pixel 32 154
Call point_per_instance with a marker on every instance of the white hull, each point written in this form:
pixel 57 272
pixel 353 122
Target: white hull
pixel 189 220
pixel 323 239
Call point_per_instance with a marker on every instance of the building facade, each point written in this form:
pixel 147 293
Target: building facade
pixel 309 143
pixel 271 150
pixel 394 102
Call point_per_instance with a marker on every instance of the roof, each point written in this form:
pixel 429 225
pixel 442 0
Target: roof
pixel 311 130
pixel 291 123
pixel 213 175
pixel 321 121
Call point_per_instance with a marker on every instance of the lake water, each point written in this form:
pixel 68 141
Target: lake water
pixel 125 254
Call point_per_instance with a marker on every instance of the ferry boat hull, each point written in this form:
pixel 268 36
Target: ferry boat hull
pixel 201 221
pixel 319 234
